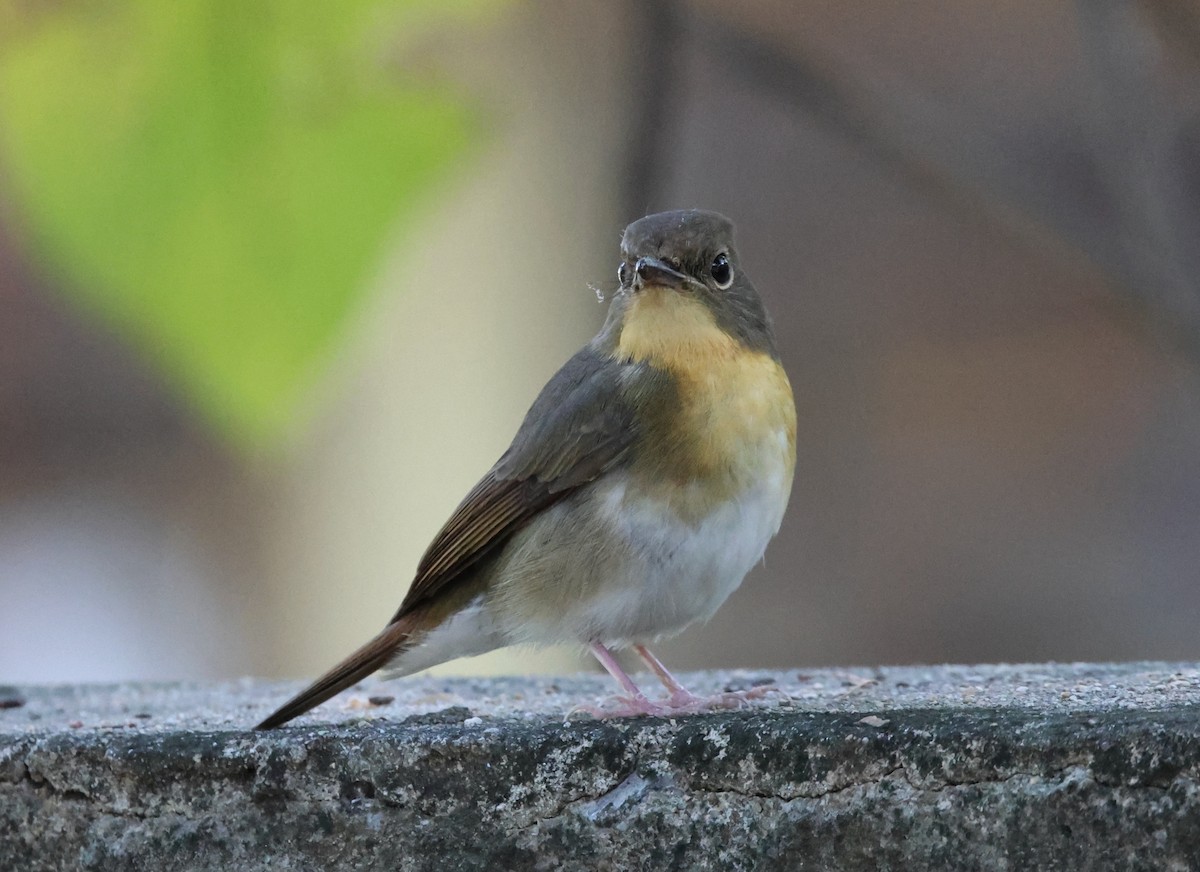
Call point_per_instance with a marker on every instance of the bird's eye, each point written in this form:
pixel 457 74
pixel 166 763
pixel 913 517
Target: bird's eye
pixel 623 274
pixel 722 272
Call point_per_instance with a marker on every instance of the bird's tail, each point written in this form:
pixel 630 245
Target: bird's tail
pixel 394 638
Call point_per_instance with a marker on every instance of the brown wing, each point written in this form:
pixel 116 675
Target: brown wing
pixel 580 426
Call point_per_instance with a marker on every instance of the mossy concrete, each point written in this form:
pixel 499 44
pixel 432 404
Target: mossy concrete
pixel 1030 767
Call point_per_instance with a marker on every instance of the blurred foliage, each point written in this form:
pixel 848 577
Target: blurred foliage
pixel 216 178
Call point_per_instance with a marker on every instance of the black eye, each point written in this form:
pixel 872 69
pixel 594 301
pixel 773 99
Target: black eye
pixel 722 272
pixel 623 273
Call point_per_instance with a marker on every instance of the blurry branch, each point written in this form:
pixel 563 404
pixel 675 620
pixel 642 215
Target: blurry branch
pixel 1138 142
pixel 1136 158
pixel 1178 25
pixel 897 127
pixel 654 56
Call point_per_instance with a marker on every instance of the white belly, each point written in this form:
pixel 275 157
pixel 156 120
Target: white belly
pixel 621 568
pixel 681 573
pixel 636 571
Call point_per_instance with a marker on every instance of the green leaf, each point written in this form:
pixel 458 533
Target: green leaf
pixel 217 178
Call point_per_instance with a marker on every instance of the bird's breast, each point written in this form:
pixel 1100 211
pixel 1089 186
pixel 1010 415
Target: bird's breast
pixel 730 433
pixel 660 543
pixel 697 516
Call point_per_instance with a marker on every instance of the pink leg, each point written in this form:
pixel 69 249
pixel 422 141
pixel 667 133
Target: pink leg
pixel 668 680
pixel 681 697
pixel 683 701
pixel 621 706
pixel 609 662
pixel 635 703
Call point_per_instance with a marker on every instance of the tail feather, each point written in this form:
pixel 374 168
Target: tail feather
pixel 367 659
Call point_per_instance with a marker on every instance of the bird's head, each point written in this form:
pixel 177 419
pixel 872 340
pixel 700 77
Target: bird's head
pixel 683 291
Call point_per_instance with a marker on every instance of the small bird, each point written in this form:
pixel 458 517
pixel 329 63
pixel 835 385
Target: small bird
pixel 644 483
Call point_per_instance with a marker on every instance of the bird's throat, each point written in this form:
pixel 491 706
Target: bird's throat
pixel 671 330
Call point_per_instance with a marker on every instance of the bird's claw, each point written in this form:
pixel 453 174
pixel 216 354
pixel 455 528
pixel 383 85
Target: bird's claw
pixel 622 707
pixel 681 702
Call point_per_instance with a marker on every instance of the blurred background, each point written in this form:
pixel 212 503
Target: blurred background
pixel 278 282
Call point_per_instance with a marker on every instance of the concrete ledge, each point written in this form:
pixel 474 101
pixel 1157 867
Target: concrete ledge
pixel 997 767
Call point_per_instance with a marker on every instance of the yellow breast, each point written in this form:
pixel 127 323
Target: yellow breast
pixel 734 427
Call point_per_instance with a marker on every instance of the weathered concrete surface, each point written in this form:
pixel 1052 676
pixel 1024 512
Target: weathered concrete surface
pixel 1049 767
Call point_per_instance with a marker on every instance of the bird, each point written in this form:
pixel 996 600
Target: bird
pixel 643 484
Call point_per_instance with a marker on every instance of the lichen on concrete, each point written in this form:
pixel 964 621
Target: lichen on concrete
pixel 1002 767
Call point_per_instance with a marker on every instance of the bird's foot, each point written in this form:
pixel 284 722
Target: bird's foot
pixel 633 706
pixel 681 702
pixel 685 703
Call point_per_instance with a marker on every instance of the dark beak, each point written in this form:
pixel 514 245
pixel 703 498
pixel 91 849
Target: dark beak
pixel 652 271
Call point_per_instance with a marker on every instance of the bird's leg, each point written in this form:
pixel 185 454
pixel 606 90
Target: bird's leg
pixel 620 706
pixel 680 702
pixel 609 662
pixel 679 693
pixel 684 701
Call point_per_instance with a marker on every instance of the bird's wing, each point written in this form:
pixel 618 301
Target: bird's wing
pixel 581 425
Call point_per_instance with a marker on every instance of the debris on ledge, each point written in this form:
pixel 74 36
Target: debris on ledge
pixel 1076 766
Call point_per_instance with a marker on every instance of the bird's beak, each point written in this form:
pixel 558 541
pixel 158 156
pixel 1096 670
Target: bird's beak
pixel 652 271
